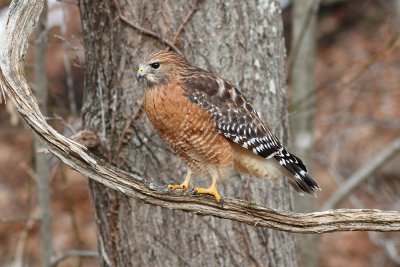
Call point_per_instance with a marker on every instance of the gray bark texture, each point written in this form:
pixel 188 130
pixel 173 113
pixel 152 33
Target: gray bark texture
pixel 240 40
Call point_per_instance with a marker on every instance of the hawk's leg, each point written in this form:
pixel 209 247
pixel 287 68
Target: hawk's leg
pixel 184 185
pixel 212 190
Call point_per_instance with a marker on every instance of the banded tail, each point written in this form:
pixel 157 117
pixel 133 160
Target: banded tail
pixel 300 180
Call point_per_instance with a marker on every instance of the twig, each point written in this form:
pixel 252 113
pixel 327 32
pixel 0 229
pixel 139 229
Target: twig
pixel 185 20
pixel 19 250
pixel 103 122
pixel 344 80
pixel 175 253
pixel 12 112
pixel 67 66
pixel 143 30
pixel 17 219
pixel 2 95
pixel 388 245
pixel 68 44
pixel 73 253
pixel 67 125
pixel 361 174
pixel 128 125
pixel 313 8
pixel 75 2
pixel 13 47
pixel 71 211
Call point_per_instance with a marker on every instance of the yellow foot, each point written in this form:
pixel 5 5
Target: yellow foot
pixel 210 191
pixel 178 186
pixel 184 185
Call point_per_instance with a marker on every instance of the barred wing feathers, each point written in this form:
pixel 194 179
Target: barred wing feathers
pixel 237 120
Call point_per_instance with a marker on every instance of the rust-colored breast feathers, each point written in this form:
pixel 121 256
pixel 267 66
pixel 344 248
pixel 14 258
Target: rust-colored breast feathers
pixel 187 128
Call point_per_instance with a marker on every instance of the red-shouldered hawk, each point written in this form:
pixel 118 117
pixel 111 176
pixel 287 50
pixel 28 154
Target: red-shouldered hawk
pixel 211 126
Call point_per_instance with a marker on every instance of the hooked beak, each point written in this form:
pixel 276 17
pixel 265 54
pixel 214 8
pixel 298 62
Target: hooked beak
pixel 140 73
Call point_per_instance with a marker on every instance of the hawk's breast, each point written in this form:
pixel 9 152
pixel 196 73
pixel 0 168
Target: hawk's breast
pixel 188 129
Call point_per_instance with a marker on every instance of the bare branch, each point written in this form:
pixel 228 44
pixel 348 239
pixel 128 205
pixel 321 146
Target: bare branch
pixel 312 8
pixel 185 20
pixel 67 65
pixel 73 253
pixel 23 239
pixel 145 31
pixel 71 211
pixel 12 112
pixel 18 219
pixel 388 244
pixel 2 96
pixel 362 174
pixel 23 14
pixel 346 79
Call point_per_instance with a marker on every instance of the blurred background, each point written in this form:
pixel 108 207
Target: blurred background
pixel 350 106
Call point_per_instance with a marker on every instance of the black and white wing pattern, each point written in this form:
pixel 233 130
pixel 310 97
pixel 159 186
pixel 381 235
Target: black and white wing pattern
pixel 237 120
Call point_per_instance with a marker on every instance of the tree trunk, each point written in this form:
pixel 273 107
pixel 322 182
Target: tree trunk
pixel 240 40
pixel 41 160
pixel 302 105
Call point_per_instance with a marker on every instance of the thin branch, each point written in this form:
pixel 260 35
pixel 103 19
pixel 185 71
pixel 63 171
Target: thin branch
pixel 71 211
pixel 21 19
pixel 136 116
pixel 313 8
pixel 344 81
pixel 173 251
pixel 18 219
pixel 68 44
pixel 185 21
pixel 75 2
pixel 361 175
pixel 143 30
pixel 2 96
pixel 12 112
pixel 73 253
pixel 19 250
pixel 67 65
pixel 388 245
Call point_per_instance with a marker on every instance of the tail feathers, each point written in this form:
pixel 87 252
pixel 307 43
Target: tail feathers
pixel 300 180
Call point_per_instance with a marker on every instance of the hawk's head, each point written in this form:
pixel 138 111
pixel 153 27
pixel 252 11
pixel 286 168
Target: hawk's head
pixel 160 67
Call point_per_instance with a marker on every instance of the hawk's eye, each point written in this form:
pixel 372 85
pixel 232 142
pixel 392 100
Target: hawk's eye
pixel 155 65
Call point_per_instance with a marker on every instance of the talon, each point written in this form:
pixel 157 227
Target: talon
pixel 184 185
pixel 178 186
pixel 209 191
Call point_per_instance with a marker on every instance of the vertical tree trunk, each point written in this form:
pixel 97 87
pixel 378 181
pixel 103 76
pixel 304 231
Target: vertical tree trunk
pixel 242 41
pixel 302 121
pixel 397 10
pixel 42 165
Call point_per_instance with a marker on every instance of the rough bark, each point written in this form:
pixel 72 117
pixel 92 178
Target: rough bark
pixel 240 40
